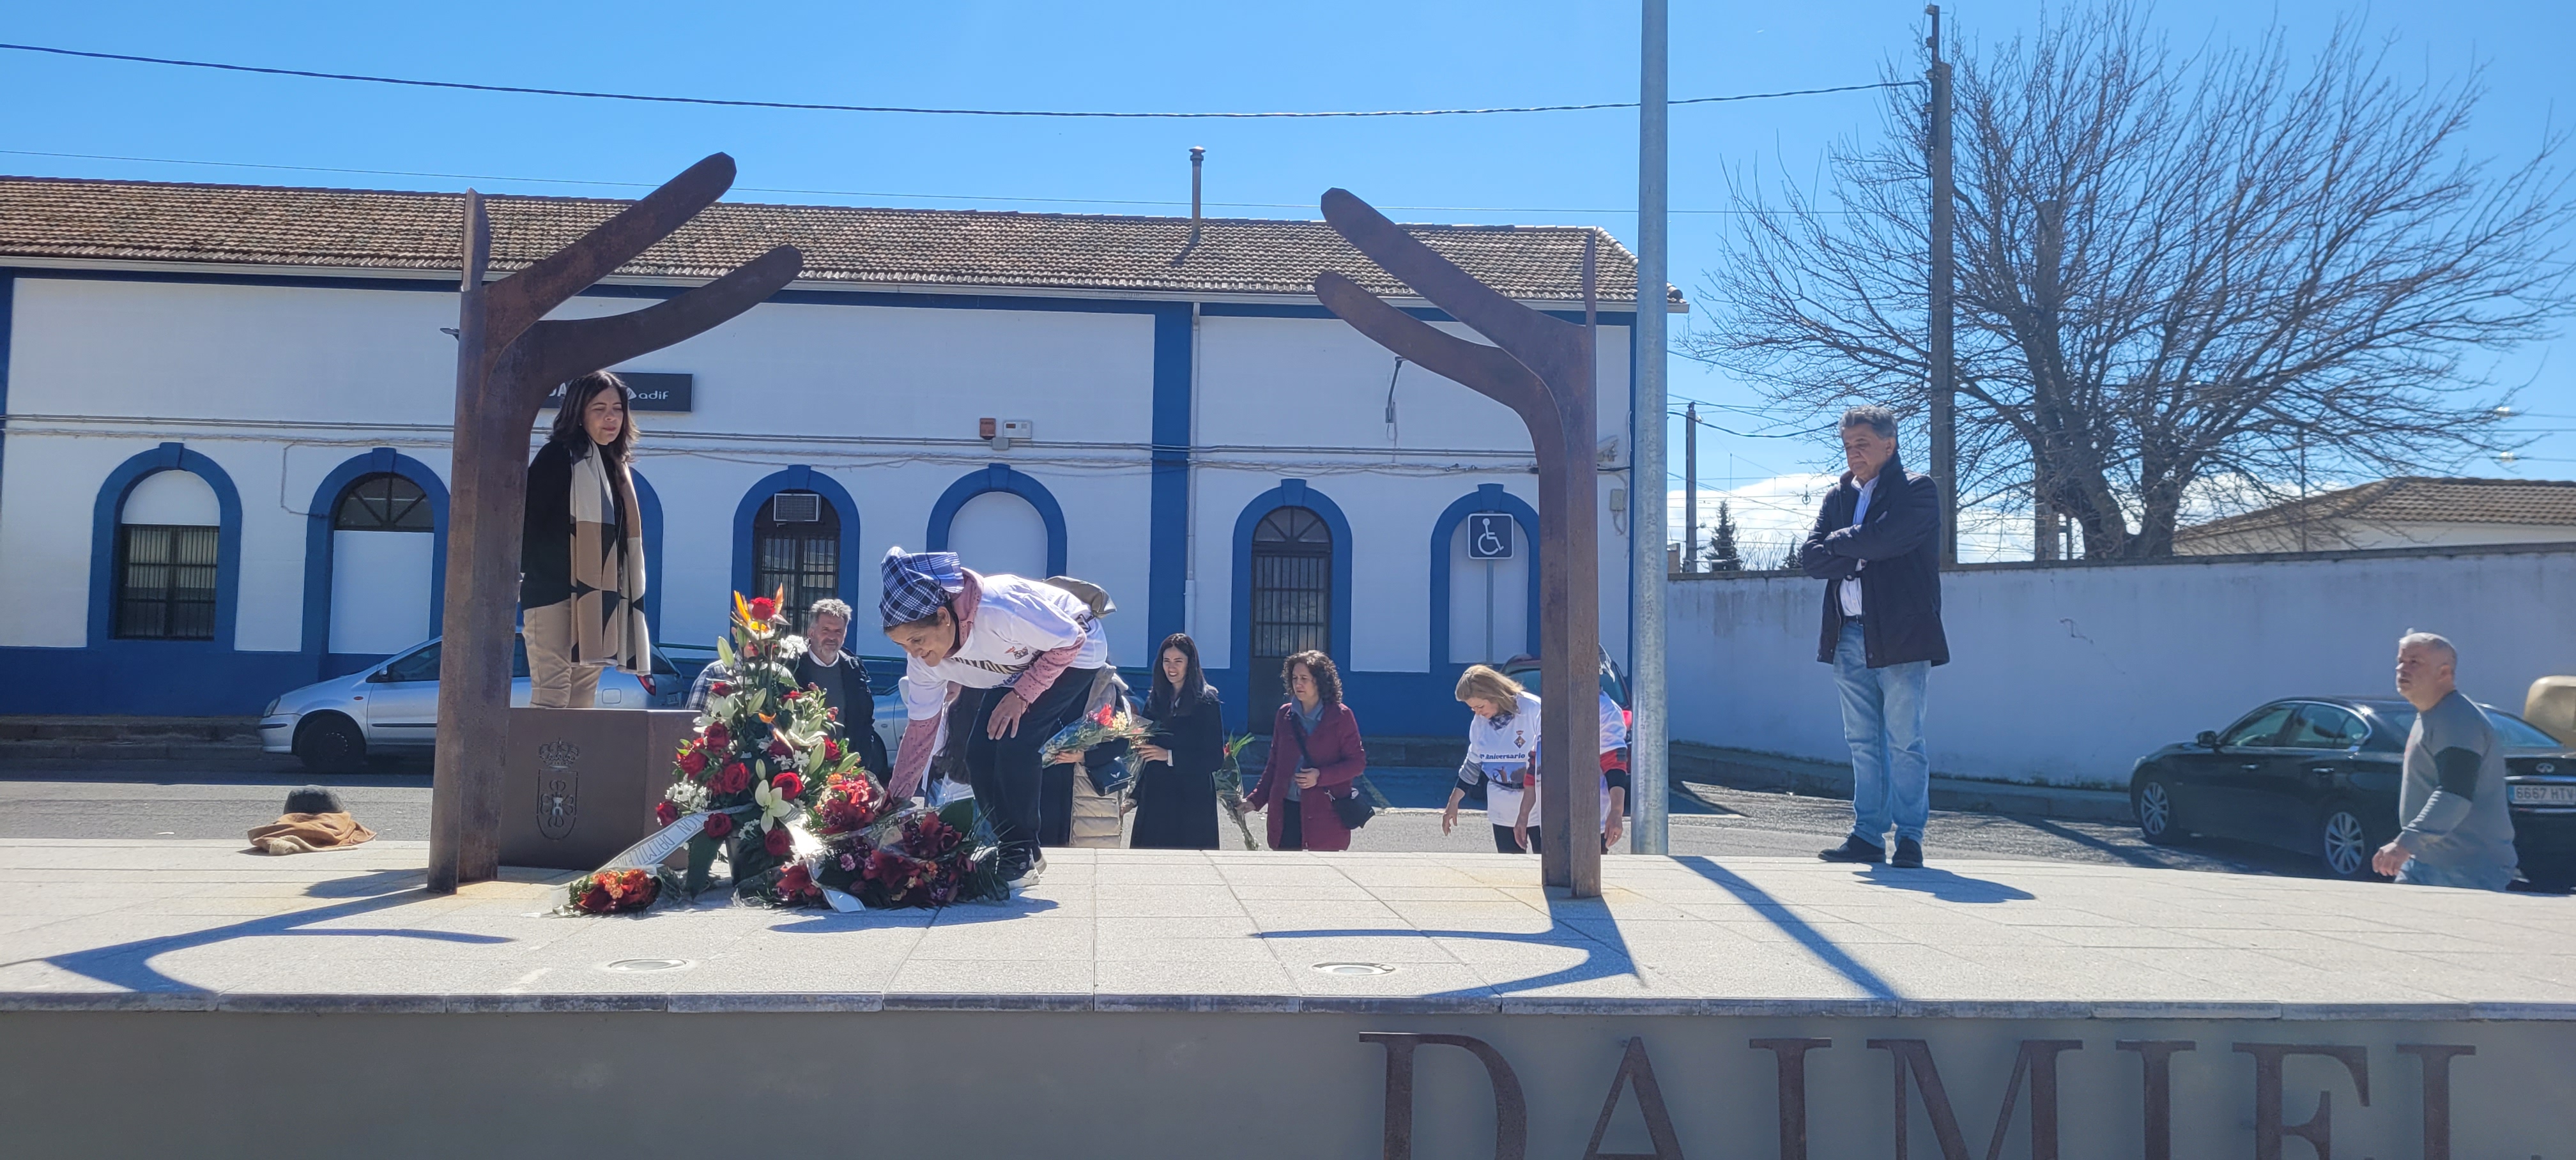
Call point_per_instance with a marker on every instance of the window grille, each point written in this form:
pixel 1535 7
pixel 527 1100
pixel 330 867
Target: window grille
pixel 1292 598
pixel 165 581
pixel 384 502
pixel 796 545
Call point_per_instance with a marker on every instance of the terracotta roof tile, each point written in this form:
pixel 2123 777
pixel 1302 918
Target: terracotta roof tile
pixel 2415 500
pixel 346 229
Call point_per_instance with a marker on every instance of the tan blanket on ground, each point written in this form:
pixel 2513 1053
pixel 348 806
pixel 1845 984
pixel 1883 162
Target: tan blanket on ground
pixel 305 833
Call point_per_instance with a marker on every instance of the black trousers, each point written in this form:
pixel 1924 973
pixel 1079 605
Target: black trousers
pixel 1505 844
pixel 1292 825
pixel 1009 783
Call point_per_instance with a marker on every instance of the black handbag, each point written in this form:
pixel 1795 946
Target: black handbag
pixel 1353 811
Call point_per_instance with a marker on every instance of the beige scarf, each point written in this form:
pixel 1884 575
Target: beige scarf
pixel 607 567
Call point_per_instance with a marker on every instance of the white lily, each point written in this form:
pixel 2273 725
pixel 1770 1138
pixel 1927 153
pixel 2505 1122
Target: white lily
pixel 774 806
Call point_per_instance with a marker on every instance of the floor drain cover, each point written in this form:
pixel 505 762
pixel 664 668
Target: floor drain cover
pixel 650 965
pixel 1355 968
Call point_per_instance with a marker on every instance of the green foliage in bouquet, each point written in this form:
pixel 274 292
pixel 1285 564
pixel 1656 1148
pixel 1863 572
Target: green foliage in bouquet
pixel 761 750
pixel 1229 788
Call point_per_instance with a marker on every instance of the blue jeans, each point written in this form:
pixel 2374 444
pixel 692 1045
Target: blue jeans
pixel 1883 723
pixel 2416 872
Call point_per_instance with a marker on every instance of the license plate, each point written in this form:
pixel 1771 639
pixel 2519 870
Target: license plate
pixel 2544 795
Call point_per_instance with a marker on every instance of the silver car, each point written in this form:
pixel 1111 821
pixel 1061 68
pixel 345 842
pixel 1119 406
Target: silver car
pixel 333 725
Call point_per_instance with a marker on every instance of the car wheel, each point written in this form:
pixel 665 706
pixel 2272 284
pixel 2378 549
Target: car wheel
pixel 330 743
pixel 2343 842
pixel 2153 799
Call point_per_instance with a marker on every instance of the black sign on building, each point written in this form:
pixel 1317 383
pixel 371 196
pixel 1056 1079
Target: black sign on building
pixel 653 392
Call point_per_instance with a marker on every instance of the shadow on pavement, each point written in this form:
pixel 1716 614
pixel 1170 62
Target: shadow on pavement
pixel 1779 915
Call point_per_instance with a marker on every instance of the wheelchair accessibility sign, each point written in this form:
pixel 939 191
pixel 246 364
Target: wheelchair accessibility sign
pixel 1489 536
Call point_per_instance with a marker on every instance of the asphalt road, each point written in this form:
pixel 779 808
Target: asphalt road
pixel 175 802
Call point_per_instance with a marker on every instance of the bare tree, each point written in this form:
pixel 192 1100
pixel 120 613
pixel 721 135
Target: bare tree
pixel 2178 276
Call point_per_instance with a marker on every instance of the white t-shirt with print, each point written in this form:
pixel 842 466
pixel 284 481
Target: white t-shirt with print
pixel 1511 740
pixel 1016 620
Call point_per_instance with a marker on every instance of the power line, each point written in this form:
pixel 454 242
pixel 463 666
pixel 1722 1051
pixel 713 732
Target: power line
pixel 829 108
pixel 807 192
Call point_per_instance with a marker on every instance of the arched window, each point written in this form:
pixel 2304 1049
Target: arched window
pixel 1292 598
pixel 384 502
pixel 382 574
pixel 167 539
pixel 796 545
pixel 1000 532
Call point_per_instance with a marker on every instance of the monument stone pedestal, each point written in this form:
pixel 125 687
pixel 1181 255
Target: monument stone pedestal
pixel 579 785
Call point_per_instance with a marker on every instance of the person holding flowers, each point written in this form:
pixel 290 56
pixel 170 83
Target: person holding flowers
pixel 1027 650
pixel 1175 792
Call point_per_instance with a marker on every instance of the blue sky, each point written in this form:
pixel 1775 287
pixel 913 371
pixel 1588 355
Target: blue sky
pixel 1555 167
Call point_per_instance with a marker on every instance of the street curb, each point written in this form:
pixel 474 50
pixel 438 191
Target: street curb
pixel 1750 770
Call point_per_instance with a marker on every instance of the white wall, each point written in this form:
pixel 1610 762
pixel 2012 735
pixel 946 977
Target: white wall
pixel 1290 384
pixel 2068 675
pixel 380 585
pixel 882 400
pixel 1488 596
pixel 1001 532
pixel 172 497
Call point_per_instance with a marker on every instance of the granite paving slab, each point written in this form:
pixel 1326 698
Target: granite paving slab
pixel 170 925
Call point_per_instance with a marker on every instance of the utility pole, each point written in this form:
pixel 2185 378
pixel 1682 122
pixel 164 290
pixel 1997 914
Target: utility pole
pixel 1945 439
pixel 2045 281
pixel 1690 488
pixel 1646 526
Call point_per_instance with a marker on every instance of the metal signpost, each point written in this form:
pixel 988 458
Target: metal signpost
pixel 507 362
pixel 1542 368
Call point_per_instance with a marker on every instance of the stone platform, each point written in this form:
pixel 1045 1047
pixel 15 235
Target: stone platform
pixel 1239 1004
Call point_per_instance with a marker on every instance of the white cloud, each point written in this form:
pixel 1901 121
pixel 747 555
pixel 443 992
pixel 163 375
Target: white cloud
pixel 1772 515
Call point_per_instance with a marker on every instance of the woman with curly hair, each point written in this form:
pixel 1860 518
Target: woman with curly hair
pixel 1315 755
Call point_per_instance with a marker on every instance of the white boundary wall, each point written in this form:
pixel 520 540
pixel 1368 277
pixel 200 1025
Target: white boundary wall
pixel 2068 674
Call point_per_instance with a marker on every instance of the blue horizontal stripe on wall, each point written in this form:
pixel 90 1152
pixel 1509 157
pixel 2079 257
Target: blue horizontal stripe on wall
pixel 885 298
pixel 161 678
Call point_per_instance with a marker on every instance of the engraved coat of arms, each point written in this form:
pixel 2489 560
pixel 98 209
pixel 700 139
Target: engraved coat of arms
pixel 558 789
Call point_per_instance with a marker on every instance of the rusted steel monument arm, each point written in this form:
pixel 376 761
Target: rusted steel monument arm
pixel 1540 367
pixel 1551 347
pixel 1487 370
pixel 517 302
pixel 508 359
pixel 571 347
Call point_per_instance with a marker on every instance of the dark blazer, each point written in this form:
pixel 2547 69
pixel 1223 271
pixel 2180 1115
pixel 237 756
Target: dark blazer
pixel 858 706
pixel 1334 752
pixel 1900 590
pixel 545 530
pixel 1176 803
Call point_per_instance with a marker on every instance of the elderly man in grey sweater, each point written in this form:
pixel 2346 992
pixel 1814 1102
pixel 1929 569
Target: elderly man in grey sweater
pixel 2458 831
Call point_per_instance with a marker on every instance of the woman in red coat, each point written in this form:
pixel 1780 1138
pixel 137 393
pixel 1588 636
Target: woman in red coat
pixel 1302 779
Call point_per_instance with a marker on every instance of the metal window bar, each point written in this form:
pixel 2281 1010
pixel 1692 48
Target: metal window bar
pixel 166 582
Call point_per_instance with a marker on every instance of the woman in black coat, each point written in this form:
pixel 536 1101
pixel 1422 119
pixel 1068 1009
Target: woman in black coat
pixel 1175 792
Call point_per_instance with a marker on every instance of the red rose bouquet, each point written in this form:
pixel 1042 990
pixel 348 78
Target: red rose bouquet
pixel 887 858
pixel 761 750
pixel 614 891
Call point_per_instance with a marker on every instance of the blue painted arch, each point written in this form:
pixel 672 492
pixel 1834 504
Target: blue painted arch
pixel 797 478
pixel 119 484
pixel 1486 498
pixel 998 477
pixel 318 561
pixel 1291 493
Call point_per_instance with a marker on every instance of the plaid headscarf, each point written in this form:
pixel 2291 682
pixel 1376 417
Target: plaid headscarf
pixel 918 584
